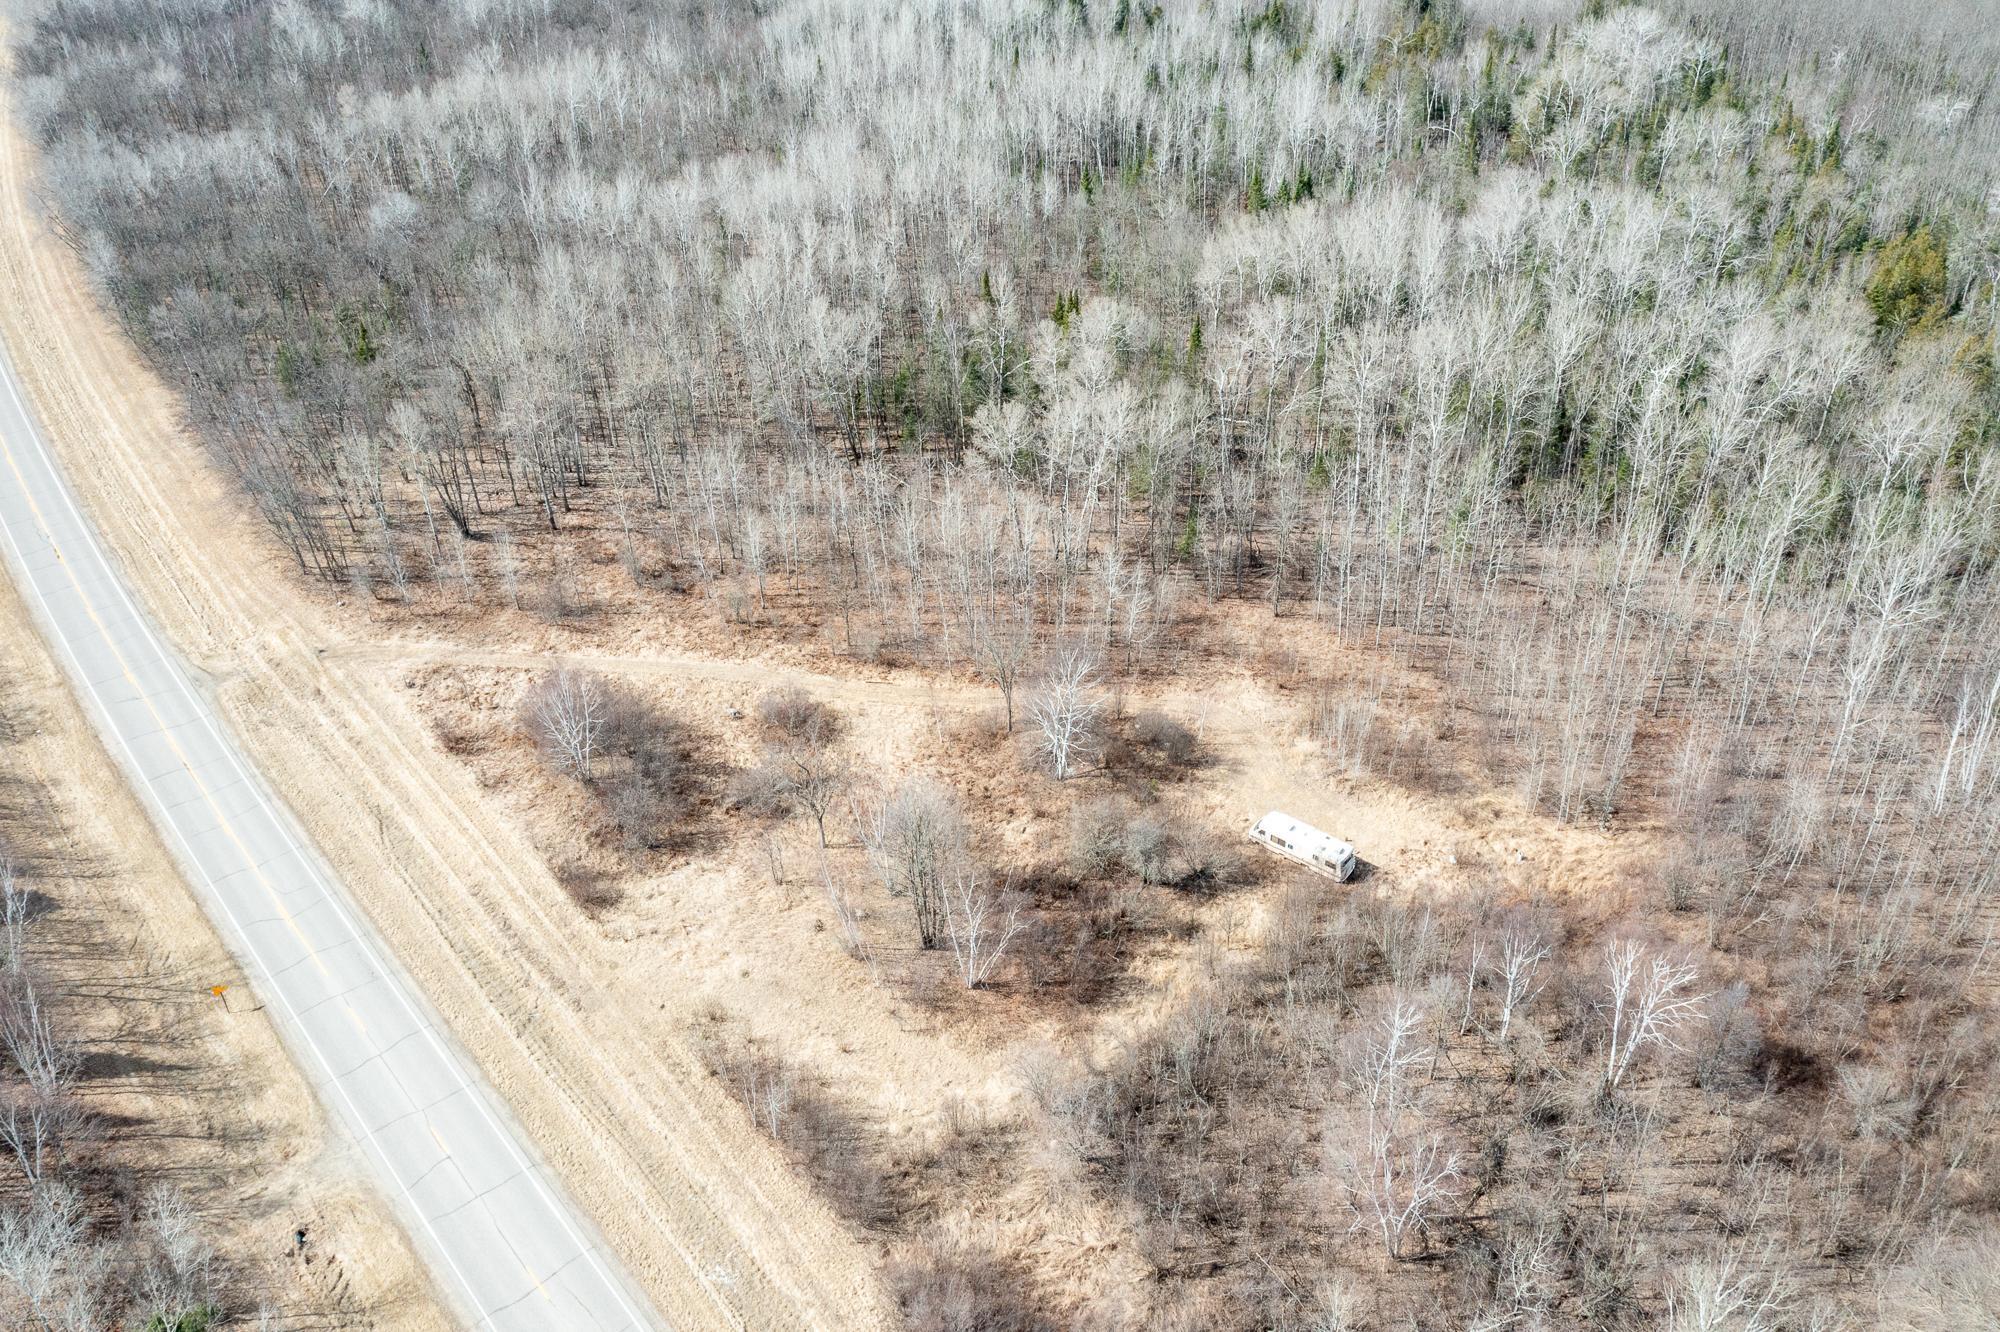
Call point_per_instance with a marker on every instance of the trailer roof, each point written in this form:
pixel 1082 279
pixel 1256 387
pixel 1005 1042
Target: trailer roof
pixel 1302 836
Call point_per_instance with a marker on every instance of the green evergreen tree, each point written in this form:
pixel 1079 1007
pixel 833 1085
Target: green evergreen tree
pixel 1909 288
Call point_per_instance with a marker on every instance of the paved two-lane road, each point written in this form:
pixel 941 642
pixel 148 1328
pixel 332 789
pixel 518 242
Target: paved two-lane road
pixel 508 1249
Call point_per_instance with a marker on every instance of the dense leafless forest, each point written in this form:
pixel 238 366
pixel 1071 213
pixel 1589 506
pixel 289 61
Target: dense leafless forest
pixel 1626 373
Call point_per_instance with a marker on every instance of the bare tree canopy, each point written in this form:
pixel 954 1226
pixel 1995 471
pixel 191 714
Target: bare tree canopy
pixel 918 843
pixel 1066 711
pixel 1583 411
pixel 569 711
pixel 61 1265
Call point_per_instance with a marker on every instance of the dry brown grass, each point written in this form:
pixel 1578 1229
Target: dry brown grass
pixel 1097 973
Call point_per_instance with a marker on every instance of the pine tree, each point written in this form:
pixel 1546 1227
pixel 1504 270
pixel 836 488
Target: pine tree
pixel 1908 288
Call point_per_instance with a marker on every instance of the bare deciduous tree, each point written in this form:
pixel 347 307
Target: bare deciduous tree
pixel 980 922
pixel 40 1115
pixel 42 1242
pixel 846 915
pixel 1517 971
pixel 1647 998
pixel 568 710
pixel 917 842
pixel 1728 1292
pixel 1397 1173
pixel 1065 711
pixel 14 912
pixel 178 1286
pixel 1001 647
pixel 1400 1182
pixel 815 779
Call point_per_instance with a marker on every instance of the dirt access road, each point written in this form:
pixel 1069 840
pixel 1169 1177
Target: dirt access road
pixel 702 1211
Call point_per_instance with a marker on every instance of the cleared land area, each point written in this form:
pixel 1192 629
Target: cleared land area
pixel 586 1028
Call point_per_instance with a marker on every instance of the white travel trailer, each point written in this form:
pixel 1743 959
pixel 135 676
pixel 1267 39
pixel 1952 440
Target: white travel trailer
pixel 1306 844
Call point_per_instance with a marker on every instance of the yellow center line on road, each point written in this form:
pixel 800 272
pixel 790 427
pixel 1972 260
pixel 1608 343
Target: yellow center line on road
pixel 125 668
pixel 83 684
pixel 167 823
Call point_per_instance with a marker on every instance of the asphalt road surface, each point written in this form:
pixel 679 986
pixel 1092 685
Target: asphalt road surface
pixel 508 1250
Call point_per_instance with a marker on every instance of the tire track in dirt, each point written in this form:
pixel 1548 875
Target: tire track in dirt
pixel 551 913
